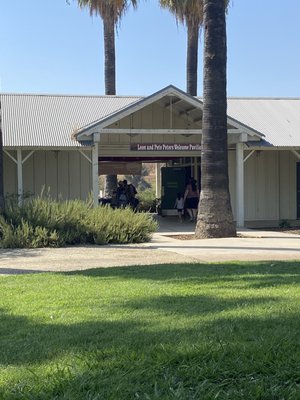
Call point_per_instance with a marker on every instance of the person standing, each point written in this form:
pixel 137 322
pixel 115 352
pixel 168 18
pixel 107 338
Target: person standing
pixel 179 205
pixel 131 192
pixel 191 198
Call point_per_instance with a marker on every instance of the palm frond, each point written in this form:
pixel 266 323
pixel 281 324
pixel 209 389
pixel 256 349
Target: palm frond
pixel 187 12
pixel 112 9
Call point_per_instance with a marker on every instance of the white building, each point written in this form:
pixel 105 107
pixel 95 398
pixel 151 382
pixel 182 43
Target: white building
pixel 64 142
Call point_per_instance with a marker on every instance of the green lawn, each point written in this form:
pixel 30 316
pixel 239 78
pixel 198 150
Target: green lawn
pixel 193 331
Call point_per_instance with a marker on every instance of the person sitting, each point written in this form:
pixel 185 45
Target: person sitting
pixel 114 200
pixel 121 196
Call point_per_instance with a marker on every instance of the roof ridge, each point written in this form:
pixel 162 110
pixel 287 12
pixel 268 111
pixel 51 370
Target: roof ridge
pixel 133 96
pixel 262 98
pixel 256 98
pixel 69 95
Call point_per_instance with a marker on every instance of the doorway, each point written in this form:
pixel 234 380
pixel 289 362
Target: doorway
pixel 173 180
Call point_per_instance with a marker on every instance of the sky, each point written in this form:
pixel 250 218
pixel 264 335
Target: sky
pixel 49 46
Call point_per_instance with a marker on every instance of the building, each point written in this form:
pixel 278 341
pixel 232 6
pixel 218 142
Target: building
pixel 64 142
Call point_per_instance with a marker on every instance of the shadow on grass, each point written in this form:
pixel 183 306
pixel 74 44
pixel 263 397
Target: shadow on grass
pixel 19 271
pixel 254 274
pixel 126 360
pixel 27 341
pixel 196 346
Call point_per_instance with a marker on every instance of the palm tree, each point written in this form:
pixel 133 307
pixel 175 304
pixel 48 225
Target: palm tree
pixel 111 12
pixel 190 13
pixel 215 215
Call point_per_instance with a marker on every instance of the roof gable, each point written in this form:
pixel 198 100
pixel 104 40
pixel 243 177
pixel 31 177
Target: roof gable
pixel 169 97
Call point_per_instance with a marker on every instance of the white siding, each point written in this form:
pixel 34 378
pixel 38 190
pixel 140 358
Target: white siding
pixel 63 176
pixel 262 186
pixel 270 187
pixel 10 174
pixel 287 162
pixel 28 174
pixel 66 174
pixel 40 171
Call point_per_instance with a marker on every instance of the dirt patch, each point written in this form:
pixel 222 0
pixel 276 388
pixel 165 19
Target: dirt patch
pixel 192 236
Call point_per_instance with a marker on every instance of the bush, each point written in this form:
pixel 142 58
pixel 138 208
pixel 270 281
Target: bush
pixel 43 223
pixel 148 201
pixel 284 224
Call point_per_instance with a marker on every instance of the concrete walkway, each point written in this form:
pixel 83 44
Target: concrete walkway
pixel 252 245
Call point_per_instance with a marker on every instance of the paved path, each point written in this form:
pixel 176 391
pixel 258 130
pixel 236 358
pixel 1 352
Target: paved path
pixel 251 246
pixel 83 257
pixel 160 250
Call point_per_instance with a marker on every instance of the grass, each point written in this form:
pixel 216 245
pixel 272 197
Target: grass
pixel 192 331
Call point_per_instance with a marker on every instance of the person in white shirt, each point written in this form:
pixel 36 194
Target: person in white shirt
pixel 179 205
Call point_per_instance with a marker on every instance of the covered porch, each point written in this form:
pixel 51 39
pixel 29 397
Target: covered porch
pixel 166 126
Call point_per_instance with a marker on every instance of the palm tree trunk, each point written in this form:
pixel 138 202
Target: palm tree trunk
pixel 109 56
pixel 111 181
pixel 215 215
pixel 192 59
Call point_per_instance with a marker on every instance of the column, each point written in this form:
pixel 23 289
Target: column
pixel 20 176
pixel 95 174
pixel 196 169
pixel 240 216
pixel 157 180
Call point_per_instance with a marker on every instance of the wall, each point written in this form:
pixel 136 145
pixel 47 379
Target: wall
pixel 288 196
pixel 150 117
pixel 262 186
pixel 270 181
pixel 67 174
pixel 270 187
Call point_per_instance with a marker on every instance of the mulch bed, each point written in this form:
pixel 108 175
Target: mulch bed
pixel 295 231
pixel 188 236
pixel 191 236
pixel 182 237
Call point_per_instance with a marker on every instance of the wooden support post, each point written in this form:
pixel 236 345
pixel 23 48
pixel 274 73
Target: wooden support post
pixel 95 174
pixel 240 213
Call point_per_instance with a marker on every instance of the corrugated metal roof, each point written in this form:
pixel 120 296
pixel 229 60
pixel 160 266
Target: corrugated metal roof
pixel 278 119
pixel 30 120
pixel 33 120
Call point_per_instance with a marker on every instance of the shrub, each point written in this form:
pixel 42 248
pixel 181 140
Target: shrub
pixel 25 235
pixel 59 221
pixel 284 224
pixel 43 222
pixel 147 200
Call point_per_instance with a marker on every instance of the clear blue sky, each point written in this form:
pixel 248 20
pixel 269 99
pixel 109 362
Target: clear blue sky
pixel 48 46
